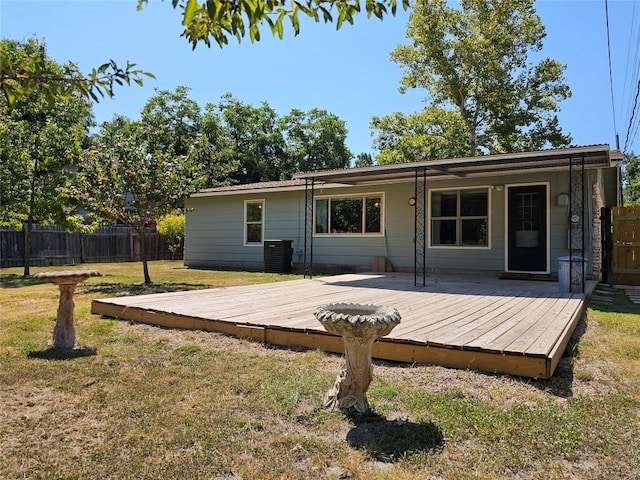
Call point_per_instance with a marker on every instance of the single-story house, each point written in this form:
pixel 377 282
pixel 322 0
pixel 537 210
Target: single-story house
pixel 512 213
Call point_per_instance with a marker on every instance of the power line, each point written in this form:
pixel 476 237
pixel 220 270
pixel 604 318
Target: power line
pixel 613 105
pixel 631 130
pixel 627 88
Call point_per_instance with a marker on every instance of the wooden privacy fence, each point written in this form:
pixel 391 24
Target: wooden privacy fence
pixel 625 253
pixel 52 245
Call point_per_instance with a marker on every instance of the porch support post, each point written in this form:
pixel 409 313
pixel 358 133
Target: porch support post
pixel 577 270
pixel 309 191
pixel 584 225
pixel 420 227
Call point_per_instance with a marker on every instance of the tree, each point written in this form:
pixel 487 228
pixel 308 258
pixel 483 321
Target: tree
pixel 364 160
pixel 209 149
pixel 315 141
pixel 22 76
pixel 251 139
pixel 631 179
pixel 125 181
pixel 40 146
pixel 475 61
pixel 432 133
pixel 170 121
pixel 219 19
pixel 172 226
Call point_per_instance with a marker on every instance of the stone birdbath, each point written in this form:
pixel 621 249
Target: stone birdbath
pixel 359 325
pixel 64 333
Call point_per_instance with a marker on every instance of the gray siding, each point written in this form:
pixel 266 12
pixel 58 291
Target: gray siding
pixel 214 232
pixel 215 228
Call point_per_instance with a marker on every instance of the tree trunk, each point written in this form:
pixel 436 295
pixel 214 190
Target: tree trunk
pixel 143 255
pixel 27 247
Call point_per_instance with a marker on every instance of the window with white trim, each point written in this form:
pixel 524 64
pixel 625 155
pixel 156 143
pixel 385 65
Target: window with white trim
pixel 460 218
pixel 253 222
pixel 349 215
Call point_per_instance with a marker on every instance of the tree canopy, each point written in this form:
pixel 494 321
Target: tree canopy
pixel 40 145
pixel 434 132
pixel 221 19
pixel 23 74
pixel 475 64
pixel 250 138
pixel 124 179
pixel 631 179
pixel 315 141
pixel 170 120
pixel 254 144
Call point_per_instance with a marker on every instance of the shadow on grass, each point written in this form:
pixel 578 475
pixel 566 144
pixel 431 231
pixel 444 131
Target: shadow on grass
pixel 52 353
pixel 123 289
pixel 17 281
pixel 391 440
pixel 620 304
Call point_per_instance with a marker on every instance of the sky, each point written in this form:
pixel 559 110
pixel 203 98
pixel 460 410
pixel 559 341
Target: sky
pixel 346 72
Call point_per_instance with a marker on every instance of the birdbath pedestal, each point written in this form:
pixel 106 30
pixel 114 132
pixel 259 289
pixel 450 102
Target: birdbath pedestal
pixel 64 332
pixel 359 325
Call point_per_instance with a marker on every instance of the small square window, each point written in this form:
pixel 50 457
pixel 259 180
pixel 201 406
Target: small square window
pixel 460 218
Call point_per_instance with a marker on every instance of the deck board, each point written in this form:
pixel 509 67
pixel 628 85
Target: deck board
pixel 507 326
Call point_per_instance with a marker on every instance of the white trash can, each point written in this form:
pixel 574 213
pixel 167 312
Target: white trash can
pixel 564 273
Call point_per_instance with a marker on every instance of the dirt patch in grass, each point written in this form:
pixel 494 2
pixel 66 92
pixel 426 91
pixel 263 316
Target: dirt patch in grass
pixel 44 426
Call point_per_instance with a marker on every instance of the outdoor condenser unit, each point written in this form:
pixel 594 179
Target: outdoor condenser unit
pixel 278 255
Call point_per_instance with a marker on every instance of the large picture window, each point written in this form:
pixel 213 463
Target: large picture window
pixel 460 218
pixel 253 222
pixel 349 215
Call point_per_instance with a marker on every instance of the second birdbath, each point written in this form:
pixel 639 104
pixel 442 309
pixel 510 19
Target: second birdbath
pixel 359 325
pixel 64 333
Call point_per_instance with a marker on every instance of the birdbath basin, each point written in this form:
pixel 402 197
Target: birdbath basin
pixel 64 333
pixel 359 325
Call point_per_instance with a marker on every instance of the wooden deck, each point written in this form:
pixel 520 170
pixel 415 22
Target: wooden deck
pixel 505 326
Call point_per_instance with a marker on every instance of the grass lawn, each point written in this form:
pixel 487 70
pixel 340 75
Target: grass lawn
pixel 152 403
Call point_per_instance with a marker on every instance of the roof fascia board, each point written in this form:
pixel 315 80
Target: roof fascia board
pixel 251 191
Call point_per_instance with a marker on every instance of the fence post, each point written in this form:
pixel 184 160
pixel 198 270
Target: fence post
pixel 131 253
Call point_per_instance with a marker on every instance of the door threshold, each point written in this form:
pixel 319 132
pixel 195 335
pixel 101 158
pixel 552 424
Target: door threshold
pixel 542 277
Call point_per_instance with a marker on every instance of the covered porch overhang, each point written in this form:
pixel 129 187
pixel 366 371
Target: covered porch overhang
pixel 597 156
pixel 575 160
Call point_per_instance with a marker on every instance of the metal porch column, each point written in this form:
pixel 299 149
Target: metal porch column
pixel 577 269
pixel 420 227
pixel 309 191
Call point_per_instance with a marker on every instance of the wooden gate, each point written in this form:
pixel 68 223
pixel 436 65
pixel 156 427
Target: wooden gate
pixel 626 245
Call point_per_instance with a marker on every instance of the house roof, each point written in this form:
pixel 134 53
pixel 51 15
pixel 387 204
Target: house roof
pixel 276 186
pixel 595 156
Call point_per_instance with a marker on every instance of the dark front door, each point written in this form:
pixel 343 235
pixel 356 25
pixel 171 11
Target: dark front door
pixel 527 229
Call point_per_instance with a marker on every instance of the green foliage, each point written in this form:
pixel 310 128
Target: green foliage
pixel 219 19
pixel 474 60
pixel 315 141
pixel 250 138
pixel 169 121
pixel 126 181
pixel 40 143
pixel 631 179
pixel 242 143
pixel 364 160
pixel 172 226
pixel 432 133
pixel 22 76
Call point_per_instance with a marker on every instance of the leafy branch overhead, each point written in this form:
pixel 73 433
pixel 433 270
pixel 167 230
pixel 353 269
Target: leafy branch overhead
pixel 21 76
pixel 219 19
